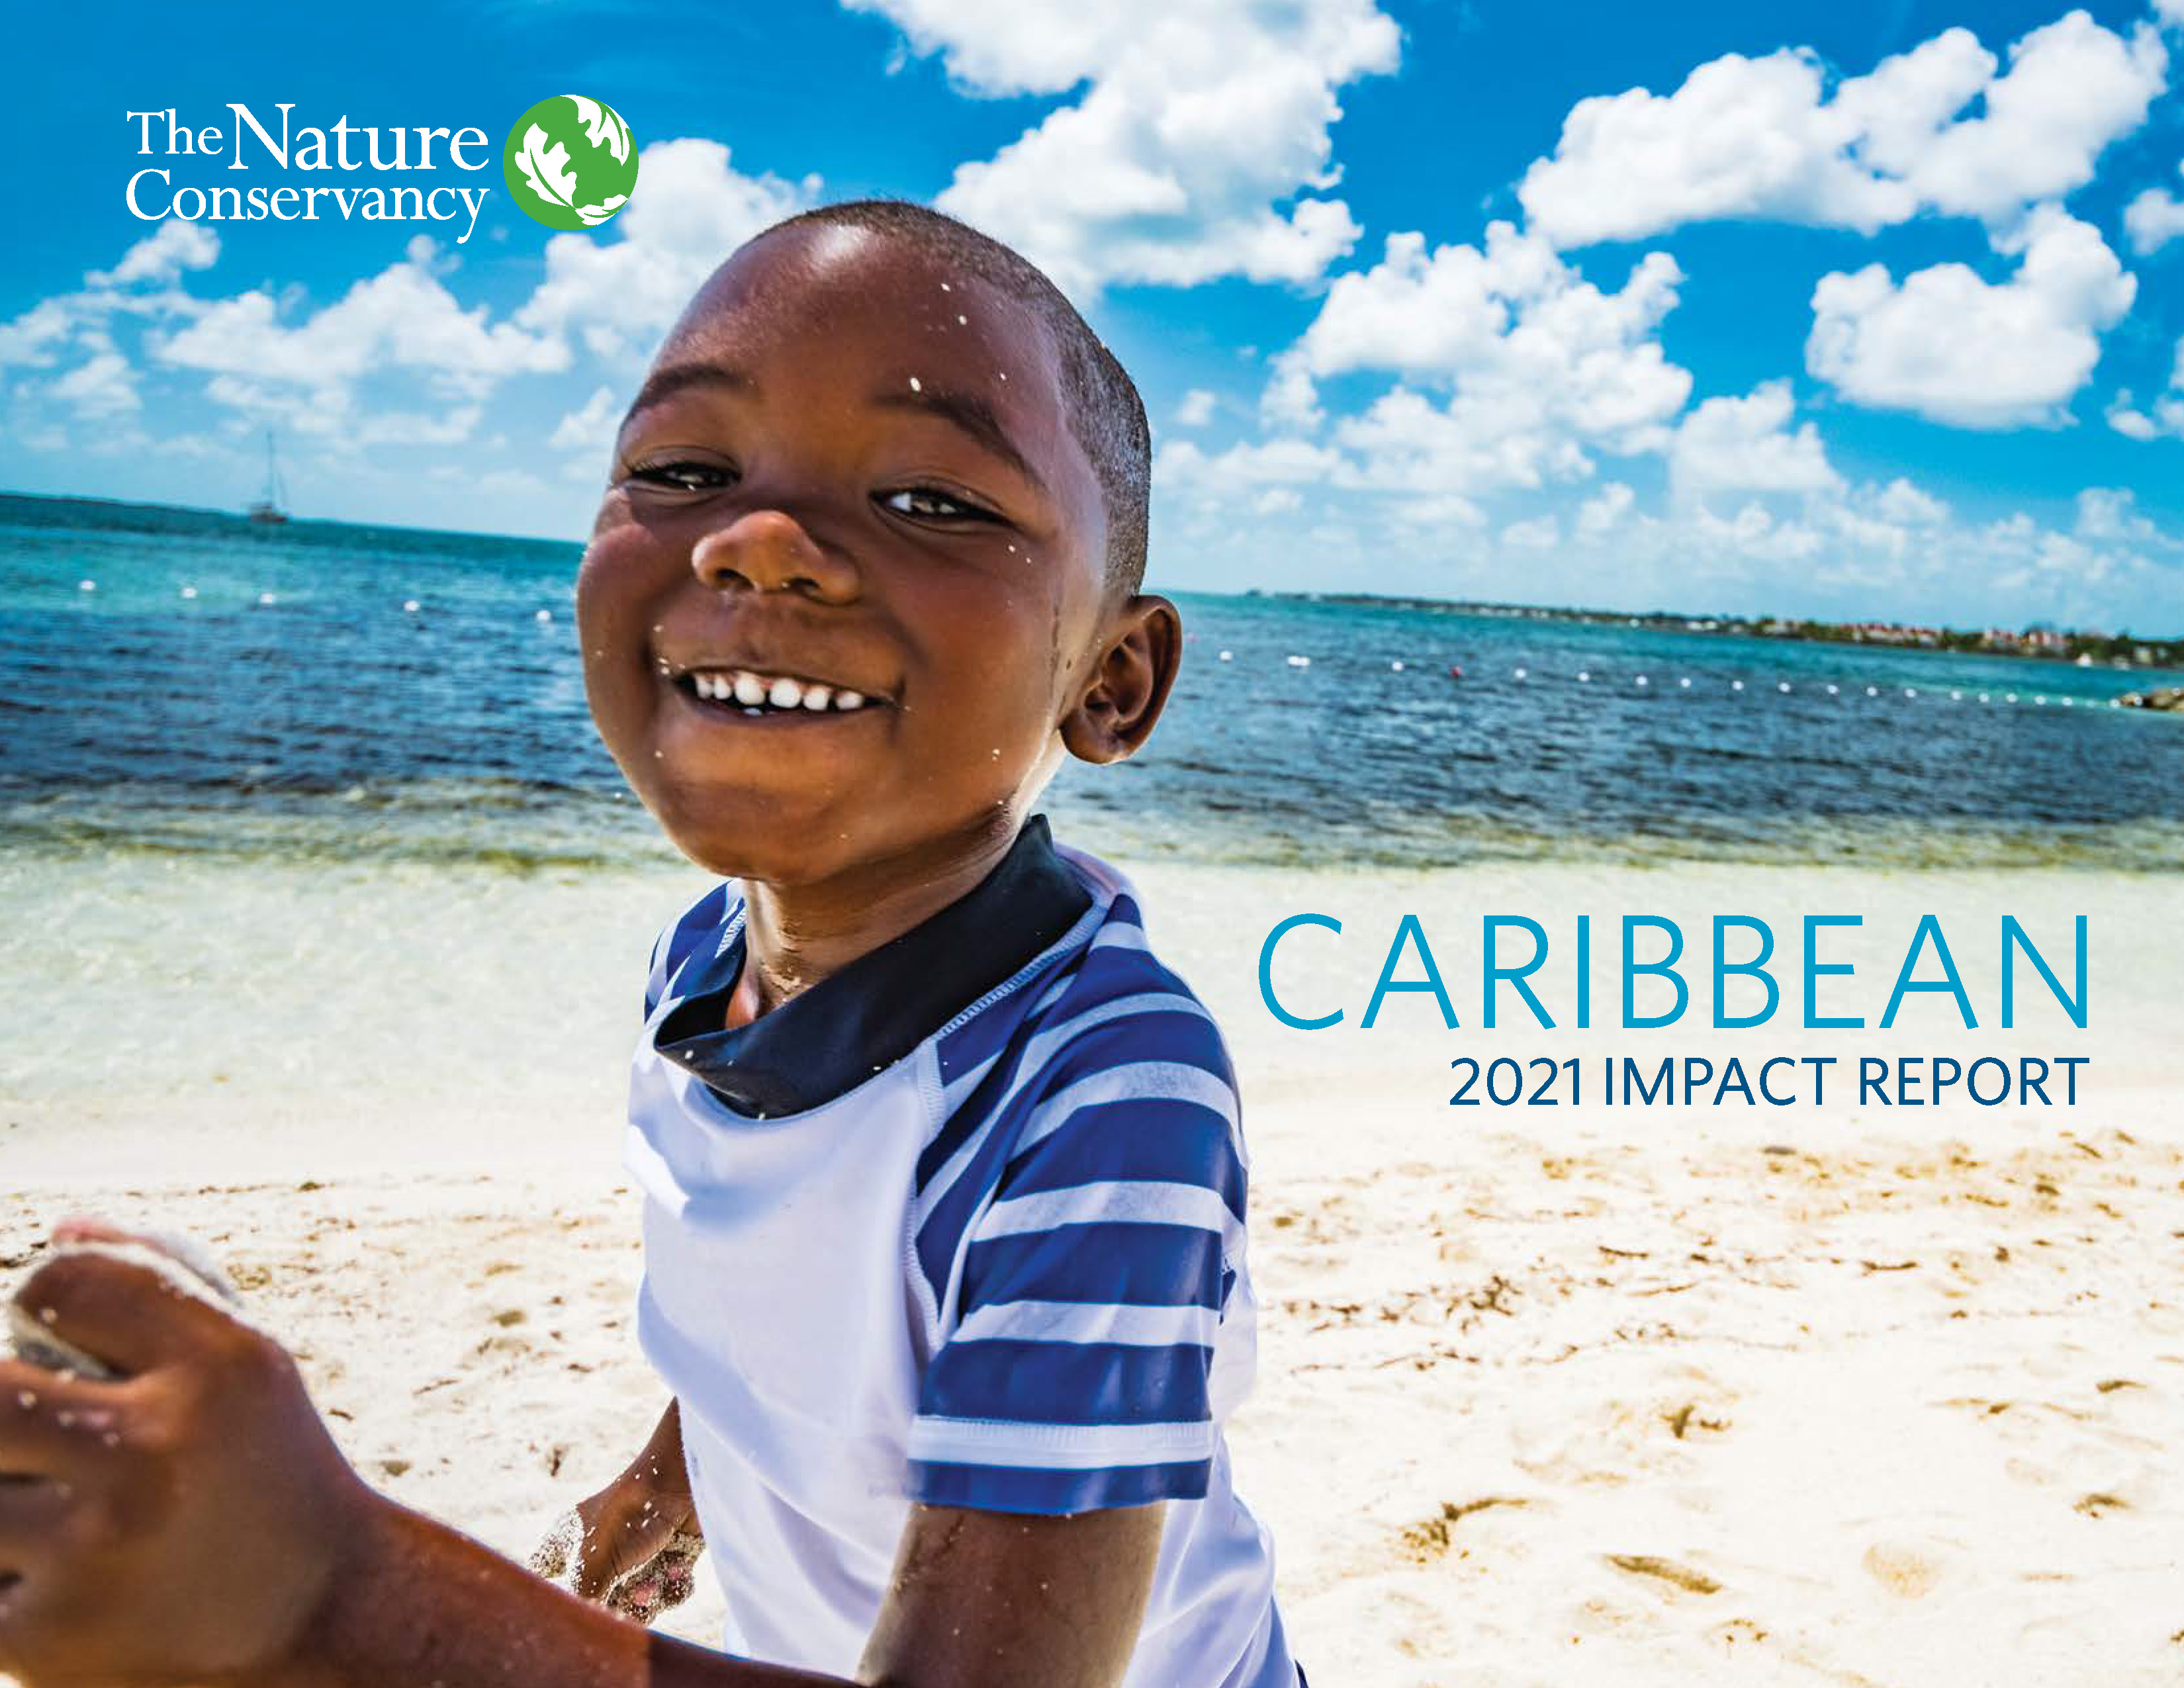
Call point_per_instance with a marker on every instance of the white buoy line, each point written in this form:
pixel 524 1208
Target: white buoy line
pixel 1684 683
pixel 412 606
pixel 1299 659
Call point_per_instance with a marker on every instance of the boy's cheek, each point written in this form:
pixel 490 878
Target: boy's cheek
pixel 613 605
pixel 613 511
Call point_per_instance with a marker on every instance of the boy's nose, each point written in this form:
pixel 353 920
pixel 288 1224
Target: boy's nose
pixel 768 550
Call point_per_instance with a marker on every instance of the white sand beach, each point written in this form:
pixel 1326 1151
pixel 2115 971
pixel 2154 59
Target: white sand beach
pixel 1818 1394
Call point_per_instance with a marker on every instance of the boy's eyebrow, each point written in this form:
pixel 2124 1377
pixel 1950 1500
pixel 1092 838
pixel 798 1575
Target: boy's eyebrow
pixel 967 411
pixel 663 384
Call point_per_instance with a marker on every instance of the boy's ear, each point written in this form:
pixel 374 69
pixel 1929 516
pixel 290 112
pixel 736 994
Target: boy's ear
pixel 1129 686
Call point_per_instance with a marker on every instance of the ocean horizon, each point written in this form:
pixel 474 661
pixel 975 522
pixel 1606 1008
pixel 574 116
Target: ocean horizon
pixel 186 680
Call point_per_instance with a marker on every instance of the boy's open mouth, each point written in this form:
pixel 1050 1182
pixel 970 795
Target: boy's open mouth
pixel 747 692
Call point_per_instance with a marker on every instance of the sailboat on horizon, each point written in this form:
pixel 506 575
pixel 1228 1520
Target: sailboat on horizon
pixel 269 509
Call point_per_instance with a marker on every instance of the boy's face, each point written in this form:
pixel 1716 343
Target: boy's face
pixel 849 479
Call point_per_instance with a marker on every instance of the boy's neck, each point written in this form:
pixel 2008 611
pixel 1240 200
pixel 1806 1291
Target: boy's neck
pixel 796 935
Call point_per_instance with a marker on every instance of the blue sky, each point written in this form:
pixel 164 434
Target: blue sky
pixel 1856 309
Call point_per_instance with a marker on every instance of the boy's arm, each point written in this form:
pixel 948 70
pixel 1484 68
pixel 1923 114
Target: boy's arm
pixel 1002 1599
pixel 628 1522
pixel 196 1522
pixel 984 1598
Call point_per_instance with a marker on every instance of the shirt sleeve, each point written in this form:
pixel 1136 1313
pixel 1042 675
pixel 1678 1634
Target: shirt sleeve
pixel 1093 1284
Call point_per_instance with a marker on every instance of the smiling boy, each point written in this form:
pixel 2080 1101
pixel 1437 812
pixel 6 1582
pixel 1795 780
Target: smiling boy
pixel 944 1264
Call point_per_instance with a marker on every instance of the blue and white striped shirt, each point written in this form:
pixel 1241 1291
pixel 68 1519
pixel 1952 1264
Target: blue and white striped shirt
pixel 962 1225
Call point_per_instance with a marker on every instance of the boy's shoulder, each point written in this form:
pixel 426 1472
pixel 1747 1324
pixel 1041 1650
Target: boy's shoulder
pixel 1099 995
pixel 1106 1066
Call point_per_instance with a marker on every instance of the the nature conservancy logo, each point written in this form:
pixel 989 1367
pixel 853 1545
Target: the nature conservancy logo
pixel 570 162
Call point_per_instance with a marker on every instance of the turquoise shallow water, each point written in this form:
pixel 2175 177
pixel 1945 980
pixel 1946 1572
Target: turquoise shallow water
pixel 250 691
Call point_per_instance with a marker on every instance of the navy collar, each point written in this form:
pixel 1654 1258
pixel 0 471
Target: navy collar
pixel 828 1040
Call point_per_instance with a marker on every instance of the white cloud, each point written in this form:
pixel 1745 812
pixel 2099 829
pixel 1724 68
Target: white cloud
pixel 1762 137
pixel 1405 443
pixel 2112 513
pixel 401 318
pixel 1499 367
pixel 1894 550
pixel 1756 534
pixel 2170 12
pixel 1540 533
pixel 1909 505
pixel 1433 512
pixel 1741 137
pixel 1196 410
pixel 37 338
pixel 1747 444
pixel 162 255
pixel 1245 468
pixel 2133 423
pixel 32 337
pixel 1513 307
pixel 103 388
pixel 1602 514
pixel 450 427
pixel 590 429
pixel 2071 89
pixel 2165 416
pixel 622 294
pixel 333 413
pixel 1752 517
pixel 1949 345
pixel 1197 148
pixel 1290 399
pixel 1540 366
pixel 996 47
pixel 2155 219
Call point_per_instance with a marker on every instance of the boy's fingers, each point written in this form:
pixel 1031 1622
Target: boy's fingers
pixel 126 1314
pixel 46 1420
pixel 50 1425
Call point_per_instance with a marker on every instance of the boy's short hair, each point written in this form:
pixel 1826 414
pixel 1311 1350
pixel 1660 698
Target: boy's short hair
pixel 1106 412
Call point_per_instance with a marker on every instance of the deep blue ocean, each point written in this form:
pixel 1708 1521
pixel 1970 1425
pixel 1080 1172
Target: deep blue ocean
pixel 232 689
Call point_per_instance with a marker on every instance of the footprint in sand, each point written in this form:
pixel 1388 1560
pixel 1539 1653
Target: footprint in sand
pixel 1665 1570
pixel 1903 1568
pixel 1429 1541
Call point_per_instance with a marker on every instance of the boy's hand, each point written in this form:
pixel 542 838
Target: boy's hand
pixel 624 1529
pixel 185 1522
pixel 645 1515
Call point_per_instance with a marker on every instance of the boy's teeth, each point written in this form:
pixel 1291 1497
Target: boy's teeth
pixel 756 692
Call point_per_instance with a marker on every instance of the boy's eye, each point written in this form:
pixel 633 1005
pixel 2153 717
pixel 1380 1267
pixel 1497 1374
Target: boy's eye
pixel 683 475
pixel 929 503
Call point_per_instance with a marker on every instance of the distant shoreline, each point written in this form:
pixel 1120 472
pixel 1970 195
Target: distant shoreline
pixel 2083 648
pixel 2098 650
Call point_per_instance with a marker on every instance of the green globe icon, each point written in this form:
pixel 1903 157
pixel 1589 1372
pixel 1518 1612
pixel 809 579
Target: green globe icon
pixel 570 162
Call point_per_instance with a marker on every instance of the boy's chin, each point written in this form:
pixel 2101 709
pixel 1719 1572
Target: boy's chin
pixel 763 840
pixel 775 838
